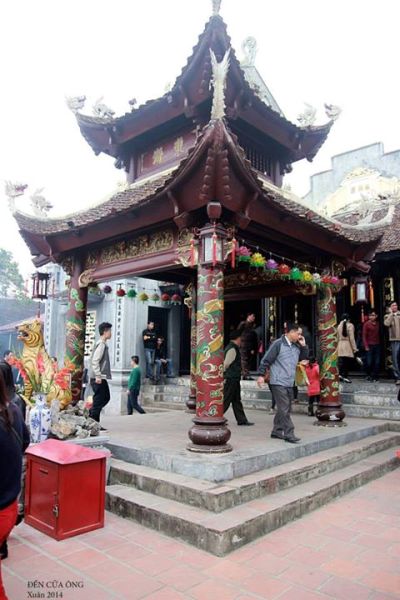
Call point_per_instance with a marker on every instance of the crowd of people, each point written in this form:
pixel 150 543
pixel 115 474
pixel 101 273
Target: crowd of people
pixel 288 363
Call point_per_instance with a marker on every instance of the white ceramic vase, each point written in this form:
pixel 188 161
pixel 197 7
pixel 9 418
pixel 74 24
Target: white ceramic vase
pixel 39 419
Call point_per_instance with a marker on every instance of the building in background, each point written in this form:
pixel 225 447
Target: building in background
pixel 363 188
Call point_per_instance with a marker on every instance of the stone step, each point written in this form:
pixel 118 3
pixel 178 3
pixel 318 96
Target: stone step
pixel 219 497
pixel 387 413
pixel 222 533
pixel 376 400
pixel 391 413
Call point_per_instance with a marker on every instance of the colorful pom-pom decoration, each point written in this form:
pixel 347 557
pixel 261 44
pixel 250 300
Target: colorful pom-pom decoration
pixel 121 292
pixel 316 278
pixel 243 254
pixel 296 274
pixel 284 269
pixel 257 260
pixel 335 280
pixel 131 293
pixel 165 297
pixel 176 299
pixel 326 279
pixel 143 297
pixel 155 297
pixel 271 265
pixel 307 277
pixel 107 289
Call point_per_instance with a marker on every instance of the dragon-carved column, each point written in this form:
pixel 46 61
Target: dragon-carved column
pixel 191 401
pixel 76 325
pixel 329 411
pixel 210 433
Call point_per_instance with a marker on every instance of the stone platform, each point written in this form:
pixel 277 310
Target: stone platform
pixel 221 502
pixel 360 398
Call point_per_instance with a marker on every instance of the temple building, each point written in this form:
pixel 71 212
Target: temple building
pixel 363 188
pixel 203 210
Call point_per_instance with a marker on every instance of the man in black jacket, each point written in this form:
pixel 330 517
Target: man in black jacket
pixel 149 337
pixel 232 374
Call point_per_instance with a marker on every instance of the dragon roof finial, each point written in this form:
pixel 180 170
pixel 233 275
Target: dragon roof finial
pixel 216 6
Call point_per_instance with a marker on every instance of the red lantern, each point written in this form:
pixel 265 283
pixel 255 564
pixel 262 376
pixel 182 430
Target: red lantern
pixel 176 299
pixel 165 297
pixel 284 269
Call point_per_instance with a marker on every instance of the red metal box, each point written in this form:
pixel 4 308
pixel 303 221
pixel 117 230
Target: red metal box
pixel 65 488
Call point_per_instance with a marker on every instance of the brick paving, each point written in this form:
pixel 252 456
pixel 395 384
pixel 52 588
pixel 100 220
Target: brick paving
pixel 348 550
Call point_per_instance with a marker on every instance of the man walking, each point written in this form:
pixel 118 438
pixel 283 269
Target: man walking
pixel 100 371
pixel 392 321
pixel 281 360
pixel 371 343
pixel 232 373
pixel 149 343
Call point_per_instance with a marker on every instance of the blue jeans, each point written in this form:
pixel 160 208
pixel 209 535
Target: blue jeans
pixel 373 360
pixel 159 365
pixel 149 355
pixel 395 359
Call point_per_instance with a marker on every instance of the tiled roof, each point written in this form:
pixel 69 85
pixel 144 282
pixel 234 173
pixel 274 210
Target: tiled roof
pixel 118 202
pixel 391 237
pixel 293 204
pixel 315 134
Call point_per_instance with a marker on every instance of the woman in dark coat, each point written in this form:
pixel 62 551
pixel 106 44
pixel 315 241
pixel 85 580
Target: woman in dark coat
pixel 14 439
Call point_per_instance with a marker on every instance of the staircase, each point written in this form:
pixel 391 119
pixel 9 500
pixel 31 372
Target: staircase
pixel 360 399
pixel 221 517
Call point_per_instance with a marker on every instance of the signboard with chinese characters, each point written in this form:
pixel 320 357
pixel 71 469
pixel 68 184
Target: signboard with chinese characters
pixel 166 154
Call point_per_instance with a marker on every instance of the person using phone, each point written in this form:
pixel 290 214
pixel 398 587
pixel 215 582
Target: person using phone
pixel 281 360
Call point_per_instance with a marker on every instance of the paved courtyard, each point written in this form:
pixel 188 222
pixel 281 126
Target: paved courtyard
pixel 348 550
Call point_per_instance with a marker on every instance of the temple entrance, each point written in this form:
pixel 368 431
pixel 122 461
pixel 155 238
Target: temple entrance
pixel 160 318
pixel 236 311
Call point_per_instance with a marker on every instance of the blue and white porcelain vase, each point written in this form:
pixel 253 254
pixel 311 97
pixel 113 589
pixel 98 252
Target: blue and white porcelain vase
pixel 39 419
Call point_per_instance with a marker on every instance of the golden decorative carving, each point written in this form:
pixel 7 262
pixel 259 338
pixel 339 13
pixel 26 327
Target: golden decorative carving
pixel 67 263
pixel 133 248
pixel 158 156
pixel 184 237
pixel 178 146
pixel 86 278
pixel 91 259
pixel 183 248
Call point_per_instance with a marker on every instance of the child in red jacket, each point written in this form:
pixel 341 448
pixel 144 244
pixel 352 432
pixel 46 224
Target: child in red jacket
pixel 314 387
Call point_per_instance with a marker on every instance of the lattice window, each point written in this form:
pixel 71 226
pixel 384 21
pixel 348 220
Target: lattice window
pixel 90 333
pixel 259 160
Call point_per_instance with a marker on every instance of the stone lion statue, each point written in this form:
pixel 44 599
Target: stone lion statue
pixel 33 354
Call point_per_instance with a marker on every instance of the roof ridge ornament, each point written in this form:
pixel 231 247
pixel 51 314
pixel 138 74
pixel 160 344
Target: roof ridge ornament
pixel 39 204
pixel 249 49
pixel 308 116
pixel 219 74
pixel 332 111
pixel 216 7
pixel 101 110
pixel 13 190
pixel 75 103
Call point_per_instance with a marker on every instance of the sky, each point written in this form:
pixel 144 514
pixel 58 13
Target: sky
pixel 343 52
